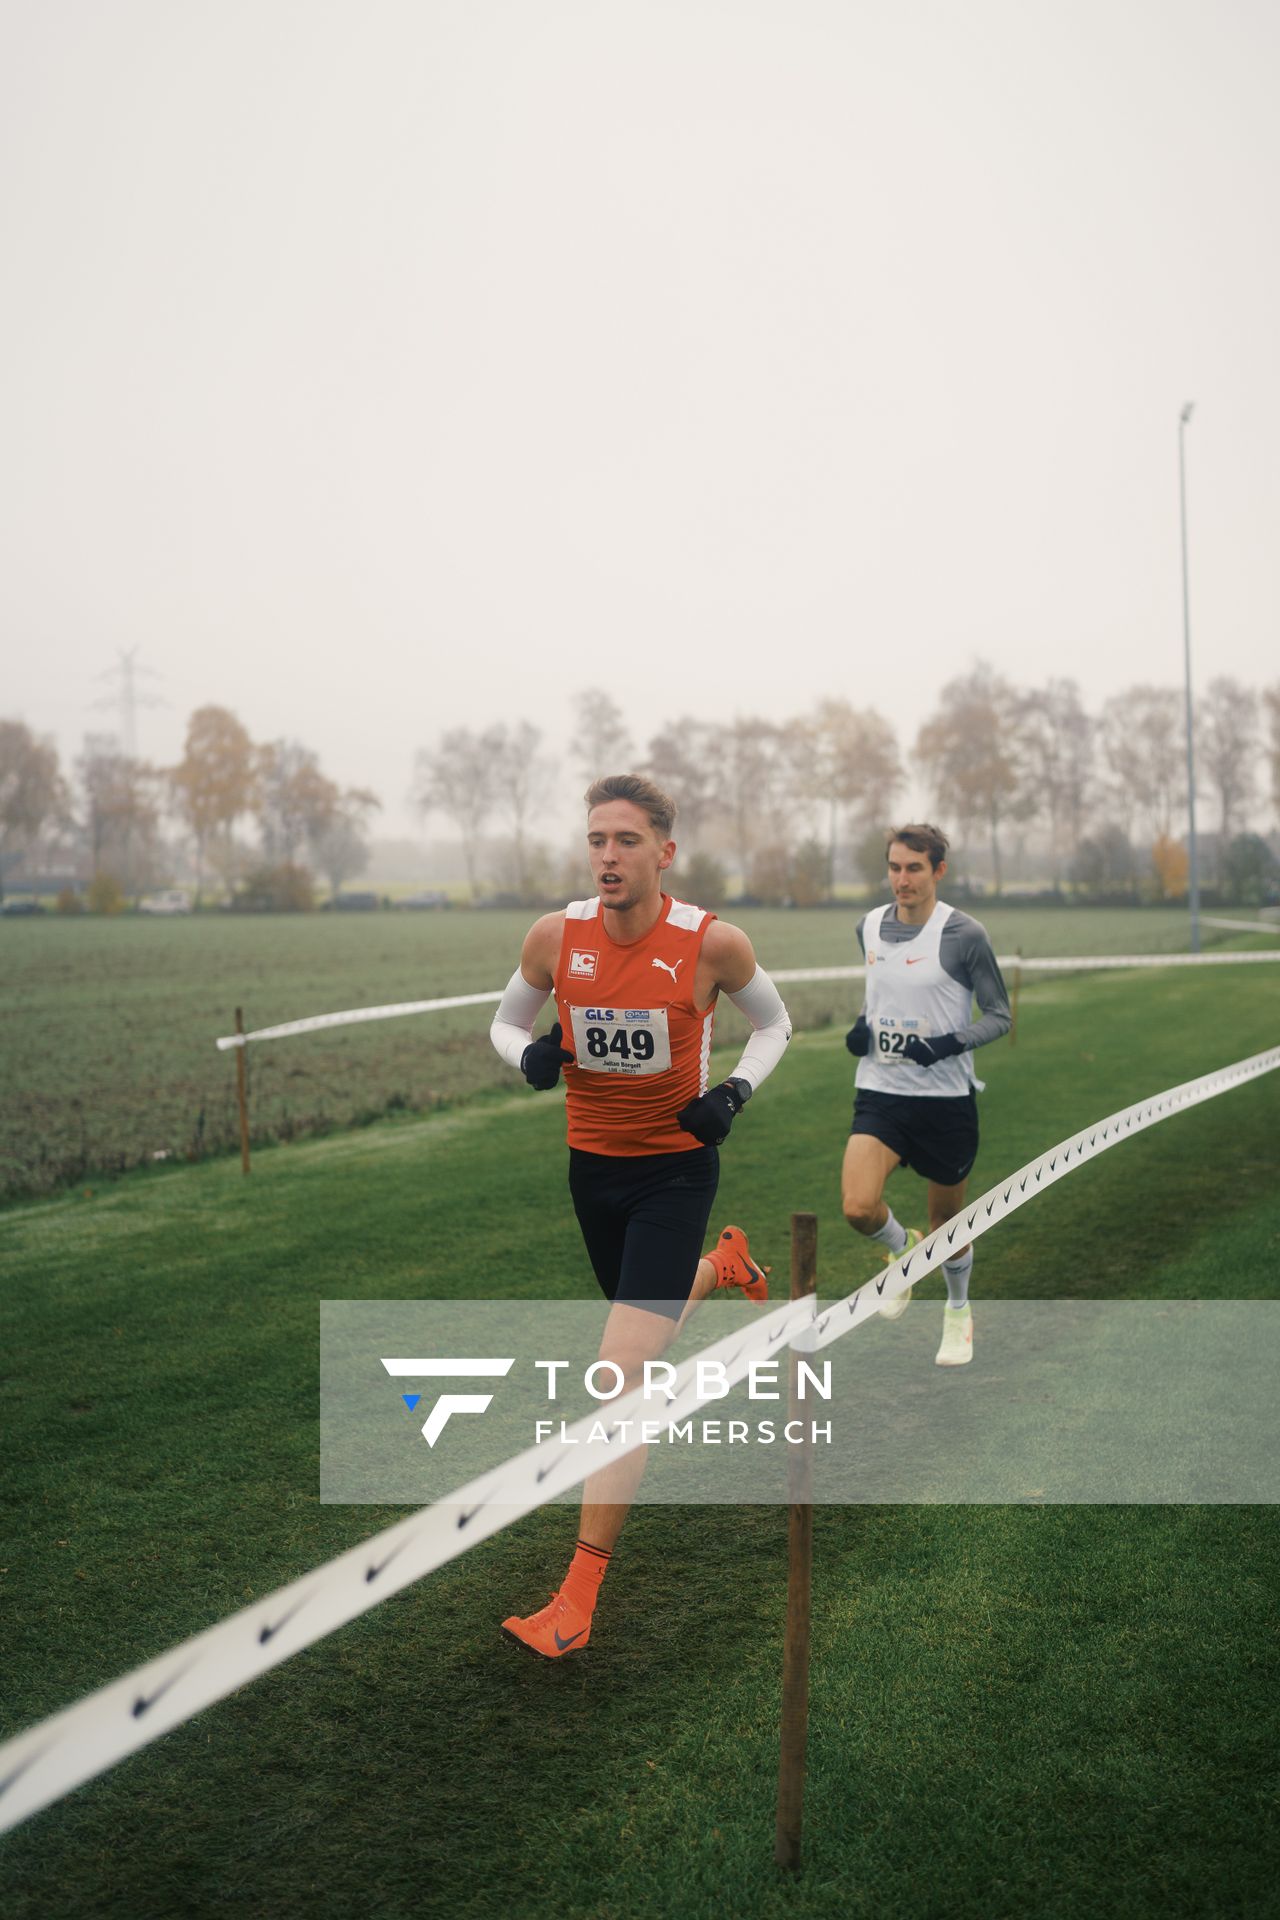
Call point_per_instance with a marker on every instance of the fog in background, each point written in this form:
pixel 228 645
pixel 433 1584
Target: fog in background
pixel 377 370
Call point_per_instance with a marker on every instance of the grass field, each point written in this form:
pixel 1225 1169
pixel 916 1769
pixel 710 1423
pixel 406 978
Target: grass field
pixel 107 1026
pixel 1067 1712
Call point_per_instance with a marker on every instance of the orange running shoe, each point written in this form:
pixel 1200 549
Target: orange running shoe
pixel 734 1266
pixel 557 1629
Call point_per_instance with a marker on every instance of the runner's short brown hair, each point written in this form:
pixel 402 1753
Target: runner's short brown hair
pixel 921 838
pixel 642 793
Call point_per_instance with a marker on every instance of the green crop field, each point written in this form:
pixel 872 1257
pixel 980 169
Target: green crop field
pixel 1015 1710
pixel 107 1027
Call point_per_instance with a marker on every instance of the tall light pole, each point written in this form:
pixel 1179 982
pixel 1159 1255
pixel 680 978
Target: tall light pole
pixel 1194 874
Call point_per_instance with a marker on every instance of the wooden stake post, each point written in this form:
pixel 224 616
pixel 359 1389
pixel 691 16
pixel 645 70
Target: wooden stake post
pixel 242 1094
pixel 795 1656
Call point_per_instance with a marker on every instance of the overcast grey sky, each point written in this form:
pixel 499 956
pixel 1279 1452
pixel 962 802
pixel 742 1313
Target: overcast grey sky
pixel 382 367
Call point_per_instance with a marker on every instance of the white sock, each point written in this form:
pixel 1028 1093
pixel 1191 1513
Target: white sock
pixel 956 1274
pixel 892 1234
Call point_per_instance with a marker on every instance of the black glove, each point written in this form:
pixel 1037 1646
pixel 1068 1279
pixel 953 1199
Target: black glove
pixel 542 1059
pixel 709 1118
pixel 858 1038
pixel 927 1053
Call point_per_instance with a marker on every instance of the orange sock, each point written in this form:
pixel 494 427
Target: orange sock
pixel 586 1570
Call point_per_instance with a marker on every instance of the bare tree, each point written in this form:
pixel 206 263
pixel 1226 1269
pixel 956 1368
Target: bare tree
pixel 684 762
pixel 971 749
pixel 295 802
pixel 856 768
pixel 1141 732
pixel 521 781
pixel 457 779
pixel 121 810
pixel 32 790
pixel 339 841
pixel 1057 763
pixel 1271 707
pixel 1227 748
pixel 749 777
pixel 600 743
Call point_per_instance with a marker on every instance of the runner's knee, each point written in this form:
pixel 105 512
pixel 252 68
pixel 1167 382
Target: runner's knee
pixel 863 1215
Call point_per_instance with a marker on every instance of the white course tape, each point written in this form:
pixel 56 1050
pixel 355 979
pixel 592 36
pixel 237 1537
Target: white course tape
pixel 355 1016
pixel 1008 1195
pixel 48 1760
pixel 785 975
pixel 1064 963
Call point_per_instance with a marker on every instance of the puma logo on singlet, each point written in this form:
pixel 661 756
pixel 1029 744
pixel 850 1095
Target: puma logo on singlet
pixel 667 966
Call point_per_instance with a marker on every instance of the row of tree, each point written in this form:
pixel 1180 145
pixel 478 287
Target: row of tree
pixel 790 805
pixel 112 813
pixel 761 793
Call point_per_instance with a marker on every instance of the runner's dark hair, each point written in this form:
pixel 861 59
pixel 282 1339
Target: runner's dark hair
pixel 921 838
pixel 659 806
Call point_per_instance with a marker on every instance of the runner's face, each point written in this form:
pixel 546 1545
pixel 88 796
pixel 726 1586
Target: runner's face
pixel 626 854
pixel 914 881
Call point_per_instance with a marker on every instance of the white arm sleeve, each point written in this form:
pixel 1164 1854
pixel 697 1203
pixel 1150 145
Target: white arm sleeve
pixel 762 1004
pixel 519 1007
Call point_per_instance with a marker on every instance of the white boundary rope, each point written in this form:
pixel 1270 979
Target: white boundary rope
pixel 49 1759
pixel 1008 1195
pixel 356 1015
pixel 46 1762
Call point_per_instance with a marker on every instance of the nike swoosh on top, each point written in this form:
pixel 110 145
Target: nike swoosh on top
pixel 916 962
pixel 562 1644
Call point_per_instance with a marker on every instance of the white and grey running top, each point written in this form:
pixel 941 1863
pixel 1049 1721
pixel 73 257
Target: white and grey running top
pixel 924 980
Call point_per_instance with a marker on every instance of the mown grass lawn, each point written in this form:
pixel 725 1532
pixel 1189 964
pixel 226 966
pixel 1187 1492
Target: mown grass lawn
pixel 1014 1711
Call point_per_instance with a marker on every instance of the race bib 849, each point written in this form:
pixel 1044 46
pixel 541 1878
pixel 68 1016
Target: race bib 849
pixel 627 1040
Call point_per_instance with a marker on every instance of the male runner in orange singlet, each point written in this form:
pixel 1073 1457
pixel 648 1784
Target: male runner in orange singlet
pixel 636 975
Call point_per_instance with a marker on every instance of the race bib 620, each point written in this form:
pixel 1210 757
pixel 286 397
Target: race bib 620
pixel 889 1037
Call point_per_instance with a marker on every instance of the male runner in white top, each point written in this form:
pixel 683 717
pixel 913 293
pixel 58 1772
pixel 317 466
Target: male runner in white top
pixel 916 1102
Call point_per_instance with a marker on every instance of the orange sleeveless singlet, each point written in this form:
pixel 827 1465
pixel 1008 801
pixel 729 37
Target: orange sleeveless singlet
pixel 640 1043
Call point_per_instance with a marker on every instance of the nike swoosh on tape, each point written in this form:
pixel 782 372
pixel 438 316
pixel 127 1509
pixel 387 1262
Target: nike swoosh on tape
pixel 145 1701
pixel 269 1632
pixel 371 1573
pixel 562 1644
pixel 11 1779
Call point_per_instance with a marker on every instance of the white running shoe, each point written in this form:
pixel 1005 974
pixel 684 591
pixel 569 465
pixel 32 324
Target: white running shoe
pixel 957 1337
pixel 895 1308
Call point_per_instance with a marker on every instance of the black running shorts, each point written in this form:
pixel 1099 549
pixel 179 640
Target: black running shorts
pixel 936 1138
pixel 644 1219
